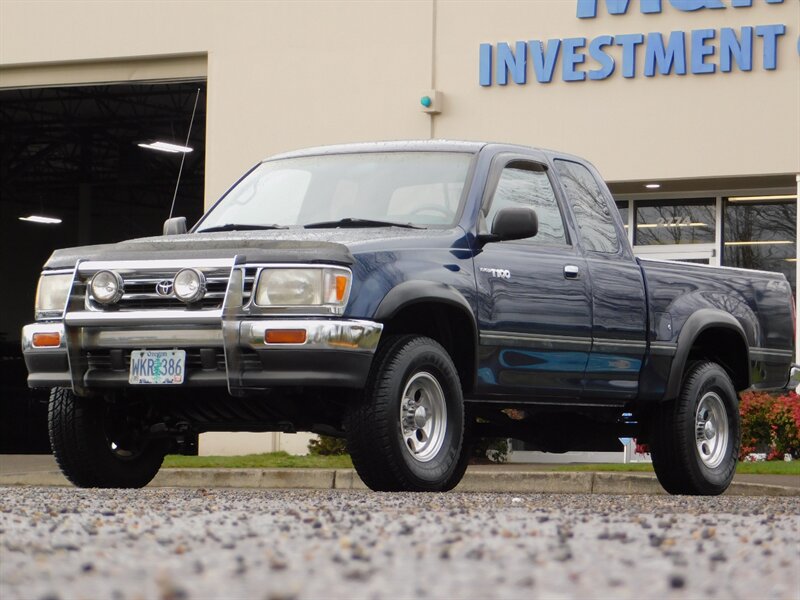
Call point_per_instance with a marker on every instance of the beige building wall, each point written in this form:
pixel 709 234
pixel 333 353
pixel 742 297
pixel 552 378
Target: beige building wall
pixel 281 75
pixel 664 127
pixel 232 444
pixel 284 75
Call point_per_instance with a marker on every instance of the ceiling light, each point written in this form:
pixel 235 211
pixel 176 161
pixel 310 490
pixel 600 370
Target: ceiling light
pixel 652 225
pixel 760 198
pixel 759 243
pixel 652 186
pixel 166 147
pixel 41 219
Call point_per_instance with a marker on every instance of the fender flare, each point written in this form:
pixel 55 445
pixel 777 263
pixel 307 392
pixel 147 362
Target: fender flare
pixel 416 291
pixel 413 292
pixel 696 324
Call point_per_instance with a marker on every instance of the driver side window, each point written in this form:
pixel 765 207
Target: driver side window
pixel 524 184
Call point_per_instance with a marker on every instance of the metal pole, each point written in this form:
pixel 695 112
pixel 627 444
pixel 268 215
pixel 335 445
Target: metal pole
pixel 183 156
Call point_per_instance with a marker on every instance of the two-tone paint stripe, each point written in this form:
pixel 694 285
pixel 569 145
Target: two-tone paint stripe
pixel 605 345
pixel 770 354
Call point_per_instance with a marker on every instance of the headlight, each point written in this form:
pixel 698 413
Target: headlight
pixel 51 295
pixel 303 287
pixel 189 285
pixel 106 287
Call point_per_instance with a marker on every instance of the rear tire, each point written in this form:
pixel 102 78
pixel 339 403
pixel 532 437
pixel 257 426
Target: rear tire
pixel 406 433
pixel 97 445
pixel 695 438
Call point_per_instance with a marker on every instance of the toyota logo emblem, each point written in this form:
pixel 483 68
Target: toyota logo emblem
pixel 164 287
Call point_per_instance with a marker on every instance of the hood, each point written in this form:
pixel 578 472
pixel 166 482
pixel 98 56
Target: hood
pixel 280 245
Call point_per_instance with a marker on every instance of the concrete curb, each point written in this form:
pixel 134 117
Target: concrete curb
pixel 521 482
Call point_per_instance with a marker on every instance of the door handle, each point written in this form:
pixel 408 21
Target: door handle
pixel 571 272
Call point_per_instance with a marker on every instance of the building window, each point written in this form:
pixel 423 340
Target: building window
pixel 761 235
pixel 662 222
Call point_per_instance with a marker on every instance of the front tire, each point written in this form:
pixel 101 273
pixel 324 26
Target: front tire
pixel 99 445
pixel 695 438
pixel 406 433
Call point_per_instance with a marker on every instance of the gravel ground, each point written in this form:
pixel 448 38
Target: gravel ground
pixel 276 545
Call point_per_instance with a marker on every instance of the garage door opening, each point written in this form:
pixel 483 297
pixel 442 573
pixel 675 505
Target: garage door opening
pixel 80 165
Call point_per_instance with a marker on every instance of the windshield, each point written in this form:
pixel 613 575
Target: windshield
pixel 367 189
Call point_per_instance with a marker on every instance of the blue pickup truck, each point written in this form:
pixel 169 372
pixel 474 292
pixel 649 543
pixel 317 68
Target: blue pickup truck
pixel 412 297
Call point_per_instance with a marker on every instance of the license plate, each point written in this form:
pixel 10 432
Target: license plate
pixel 157 367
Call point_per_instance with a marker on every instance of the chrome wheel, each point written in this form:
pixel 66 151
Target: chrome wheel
pixel 711 429
pixel 423 416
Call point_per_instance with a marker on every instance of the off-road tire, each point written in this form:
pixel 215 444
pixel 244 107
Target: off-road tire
pixel 373 426
pixel 83 451
pixel 677 458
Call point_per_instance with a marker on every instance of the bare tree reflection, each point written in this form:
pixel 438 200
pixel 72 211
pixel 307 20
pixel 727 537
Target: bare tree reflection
pixel 591 212
pixel 773 222
pixel 668 222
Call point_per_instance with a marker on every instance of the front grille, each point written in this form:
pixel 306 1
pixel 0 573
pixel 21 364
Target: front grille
pixel 140 291
pixel 197 359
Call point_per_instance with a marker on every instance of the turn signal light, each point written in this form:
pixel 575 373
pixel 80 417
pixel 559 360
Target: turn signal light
pixel 47 340
pixel 285 336
pixel 341 287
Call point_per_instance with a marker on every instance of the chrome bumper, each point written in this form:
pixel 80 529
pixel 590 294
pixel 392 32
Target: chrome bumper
pixel 335 352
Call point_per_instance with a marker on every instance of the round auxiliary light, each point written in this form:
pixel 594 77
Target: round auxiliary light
pixel 106 287
pixel 189 285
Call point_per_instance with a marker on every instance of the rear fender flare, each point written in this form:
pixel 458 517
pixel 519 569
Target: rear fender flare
pixel 700 321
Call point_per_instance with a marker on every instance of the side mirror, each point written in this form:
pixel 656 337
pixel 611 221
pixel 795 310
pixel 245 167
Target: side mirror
pixel 512 223
pixel 175 226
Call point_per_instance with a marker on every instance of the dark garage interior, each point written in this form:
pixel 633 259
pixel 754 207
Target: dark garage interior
pixel 73 154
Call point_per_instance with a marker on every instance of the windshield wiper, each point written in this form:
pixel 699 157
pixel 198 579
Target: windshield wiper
pixel 240 227
pixel 355 223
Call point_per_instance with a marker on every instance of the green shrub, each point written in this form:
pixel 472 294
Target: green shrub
pixel 770 424
pixel 495 449
pixel 327 445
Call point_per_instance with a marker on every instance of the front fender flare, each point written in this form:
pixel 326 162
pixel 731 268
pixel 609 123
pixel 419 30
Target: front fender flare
pixel 413 292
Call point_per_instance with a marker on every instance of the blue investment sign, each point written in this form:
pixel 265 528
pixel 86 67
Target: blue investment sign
pixel 678 52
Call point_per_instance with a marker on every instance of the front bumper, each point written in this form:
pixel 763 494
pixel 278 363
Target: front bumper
pixel 94 350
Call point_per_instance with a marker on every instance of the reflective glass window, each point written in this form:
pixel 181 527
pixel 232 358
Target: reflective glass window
pixel 622 207
pixel 589 207
pixel 527 184
pixel 422 188
pixel 761 236
pixel 661 222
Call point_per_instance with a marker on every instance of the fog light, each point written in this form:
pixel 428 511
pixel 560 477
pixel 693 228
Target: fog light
pixel 189 285
pixel 46 339
pixel 106 287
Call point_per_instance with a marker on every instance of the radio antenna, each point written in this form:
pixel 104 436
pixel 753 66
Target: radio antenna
pixel 183 154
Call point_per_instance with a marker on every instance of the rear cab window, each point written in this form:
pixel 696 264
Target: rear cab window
pixel 589 206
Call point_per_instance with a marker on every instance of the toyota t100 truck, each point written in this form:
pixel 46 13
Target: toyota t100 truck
pixel 412 297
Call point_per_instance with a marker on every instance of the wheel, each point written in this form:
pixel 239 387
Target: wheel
pixel 695 438
pixel 98 444
pixel 406 432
